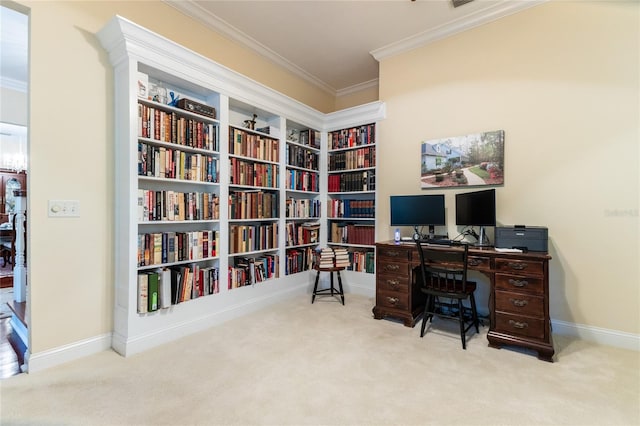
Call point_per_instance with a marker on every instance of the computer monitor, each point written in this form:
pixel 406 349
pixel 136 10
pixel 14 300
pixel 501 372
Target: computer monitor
pixel 477 209
pixel 418 211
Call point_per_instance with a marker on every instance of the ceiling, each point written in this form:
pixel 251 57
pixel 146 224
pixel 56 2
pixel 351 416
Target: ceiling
pixel 335 45
pixel 14 49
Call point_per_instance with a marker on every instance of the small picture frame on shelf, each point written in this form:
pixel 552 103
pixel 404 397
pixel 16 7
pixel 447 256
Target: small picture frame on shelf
pixel 143 85
pixel 293 135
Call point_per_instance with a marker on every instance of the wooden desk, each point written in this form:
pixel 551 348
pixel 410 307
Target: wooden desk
pixel 518 299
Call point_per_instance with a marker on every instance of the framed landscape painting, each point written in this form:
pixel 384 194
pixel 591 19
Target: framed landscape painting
pixel 471 160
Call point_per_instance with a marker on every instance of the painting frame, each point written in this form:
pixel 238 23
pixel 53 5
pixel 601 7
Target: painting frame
pixel 472 160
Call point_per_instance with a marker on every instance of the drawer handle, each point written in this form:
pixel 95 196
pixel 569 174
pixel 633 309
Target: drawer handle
pixel 391 267
pixel 393 253
pixel 518 324
pixel 518 266
pixel 393 283
pixel 518 283
pixel 519 302
pixel 474 262
pixel 393 300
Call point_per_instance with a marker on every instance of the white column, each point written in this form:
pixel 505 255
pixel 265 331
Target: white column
pixel 19 269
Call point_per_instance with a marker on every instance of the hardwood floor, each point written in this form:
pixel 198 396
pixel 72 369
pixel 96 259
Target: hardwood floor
pixel 10 361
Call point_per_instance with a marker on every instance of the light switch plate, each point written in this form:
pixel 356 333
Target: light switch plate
pixel 64 208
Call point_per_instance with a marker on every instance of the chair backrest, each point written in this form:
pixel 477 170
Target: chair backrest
pixel 443 269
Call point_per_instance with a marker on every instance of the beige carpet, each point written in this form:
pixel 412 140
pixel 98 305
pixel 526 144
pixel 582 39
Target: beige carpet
pixel 328 364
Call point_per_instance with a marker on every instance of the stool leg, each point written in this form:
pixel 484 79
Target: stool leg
pixel 331 283
pixel 341 290
pixel 315 287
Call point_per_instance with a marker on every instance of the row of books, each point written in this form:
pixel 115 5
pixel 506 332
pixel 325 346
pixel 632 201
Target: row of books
pixel 170 286
pixel 253 174
pixel 356 159
pixel 247 238
pixel 303 181
pixel 253 205
pixel 172 205
pixel 169 126
pixel 330 257
pixel 299 260
pixel 362 261
pixel 298 156
pixel 252 145
pixel 351 208
pixel 302 208
pixel 305 233
pixel 352 181
pixel 304 137
pixel 157 248
pixel 350 233
pixel 161 162
pixel 355 136
pixel 248 271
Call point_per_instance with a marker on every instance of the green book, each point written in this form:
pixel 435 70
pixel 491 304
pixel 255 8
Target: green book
pixel 153 294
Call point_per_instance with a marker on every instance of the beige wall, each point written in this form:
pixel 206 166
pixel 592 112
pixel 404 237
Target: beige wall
pixel 364 96
pixel 71 154
pixel 561 79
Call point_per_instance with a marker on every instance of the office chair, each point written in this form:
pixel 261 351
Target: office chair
pixel 443 275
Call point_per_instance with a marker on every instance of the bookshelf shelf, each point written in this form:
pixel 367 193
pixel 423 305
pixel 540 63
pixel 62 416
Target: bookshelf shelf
pixel 255 128
pixel 180 262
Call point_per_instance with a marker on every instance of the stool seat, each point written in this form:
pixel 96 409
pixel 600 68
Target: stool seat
pixel 332 290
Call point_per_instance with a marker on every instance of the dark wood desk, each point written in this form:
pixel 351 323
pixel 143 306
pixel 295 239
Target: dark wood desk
pixel 518 299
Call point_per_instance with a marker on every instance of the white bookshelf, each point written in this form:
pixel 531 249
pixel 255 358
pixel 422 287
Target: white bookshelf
pixel 133 49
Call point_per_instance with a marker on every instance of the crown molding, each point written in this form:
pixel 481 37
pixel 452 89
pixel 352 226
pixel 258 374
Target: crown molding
pixel 195 11
pixel 349 117
pixel 500 10
pixel 12 84
pixel 357 87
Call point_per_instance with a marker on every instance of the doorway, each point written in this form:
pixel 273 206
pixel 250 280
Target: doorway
pixel 14 113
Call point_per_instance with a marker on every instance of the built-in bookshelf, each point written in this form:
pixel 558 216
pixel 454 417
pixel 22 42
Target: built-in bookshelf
pixel 218 208
pixel 178 170
pixel 303 204
pixel 351 180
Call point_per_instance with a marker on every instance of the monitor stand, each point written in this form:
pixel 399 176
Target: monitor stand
pixel 483 241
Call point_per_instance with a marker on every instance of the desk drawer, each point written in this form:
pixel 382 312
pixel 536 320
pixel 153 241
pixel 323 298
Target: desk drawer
pixel 393 268
pixel 391 299
pixel 520 303
pixel 393 254
pixel 519 325
pixel 479 263
pixel 519 283
pixel 387 282
pixel 519 266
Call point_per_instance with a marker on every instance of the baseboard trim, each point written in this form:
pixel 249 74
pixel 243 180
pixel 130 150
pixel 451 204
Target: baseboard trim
pixel 604 336
pixel 67 353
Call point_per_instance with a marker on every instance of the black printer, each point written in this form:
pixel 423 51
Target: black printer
pixel 526 238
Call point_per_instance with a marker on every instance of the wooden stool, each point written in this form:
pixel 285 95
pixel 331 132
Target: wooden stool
pixel 331 291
